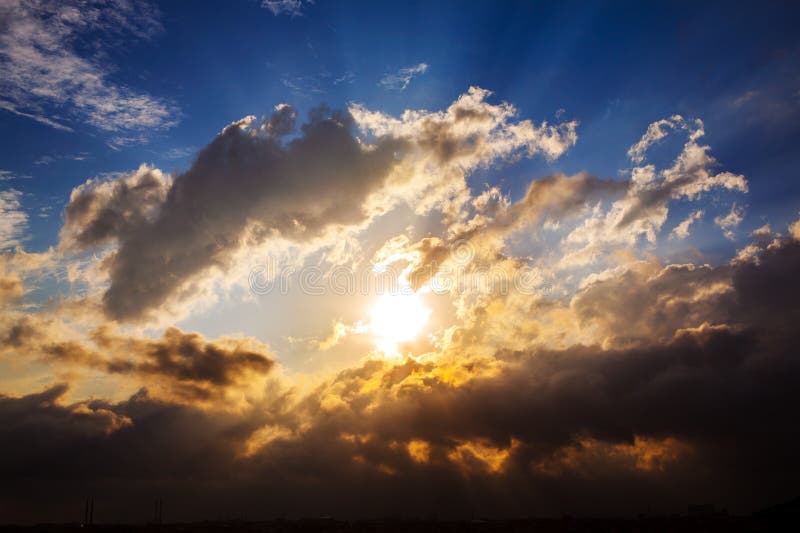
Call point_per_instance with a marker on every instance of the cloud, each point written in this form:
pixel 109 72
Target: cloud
pixel 644 303
pixel 584 429
pixel 730 221
pixel 657 131
pixel 51 158
pixel 282 121
pixel 183 366
pixel 11 289
pixel 42 75
pixel 496 219
pixel 250 185
pixel 600 389
pixel 293 8
pixel 245 186
pixel 743 99
pixel 763 231
pixel 12 108
pixel 472 130
pixel 402 78
pixel 179 152
pixel 8 175
pixel 102 210
pixel 644 209
pixel 681 231
pixel 794 229
pixel 13 220
pixel 318 83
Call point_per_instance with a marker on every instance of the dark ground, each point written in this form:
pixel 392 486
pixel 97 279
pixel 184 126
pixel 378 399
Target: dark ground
pixel 577 525
pixel 782 517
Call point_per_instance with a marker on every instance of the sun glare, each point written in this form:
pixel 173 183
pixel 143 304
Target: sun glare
pixel 397 318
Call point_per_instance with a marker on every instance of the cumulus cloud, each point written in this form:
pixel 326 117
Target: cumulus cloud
pixel 643 302
pixel 249 185
pixel 472 131
pixel 101 210
pixel 401 79
pixel 644 209
pixel 43 77
pixel 243 187
pixel 794 229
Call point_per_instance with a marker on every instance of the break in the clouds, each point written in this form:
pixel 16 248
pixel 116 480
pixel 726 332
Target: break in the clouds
pixel 46 75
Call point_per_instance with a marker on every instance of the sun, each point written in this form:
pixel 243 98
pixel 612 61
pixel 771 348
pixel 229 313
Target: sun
pixel 397 318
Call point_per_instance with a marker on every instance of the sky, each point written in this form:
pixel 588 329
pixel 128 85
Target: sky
pixel 293 258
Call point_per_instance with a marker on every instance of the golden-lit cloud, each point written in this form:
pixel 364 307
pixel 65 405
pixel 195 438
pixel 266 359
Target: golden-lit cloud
pixel 533 350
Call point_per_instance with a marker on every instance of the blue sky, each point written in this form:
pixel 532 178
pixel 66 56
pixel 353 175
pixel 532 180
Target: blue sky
pixel 614 66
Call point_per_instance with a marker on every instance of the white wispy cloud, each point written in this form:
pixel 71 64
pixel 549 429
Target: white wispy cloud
pixel 43 77
pixel 303 85
pixel 293 8
pixel 8 175
pixel 744 98
pixel 402 78
pixel 179 152
pixel 660 129
pixel 13 220
pixel 11 108
pixel 48 159
pixel 317 83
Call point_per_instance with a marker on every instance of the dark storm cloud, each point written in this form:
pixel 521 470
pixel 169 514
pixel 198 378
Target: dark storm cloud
pixel 185 365
pixel 705 414
pixel 243 187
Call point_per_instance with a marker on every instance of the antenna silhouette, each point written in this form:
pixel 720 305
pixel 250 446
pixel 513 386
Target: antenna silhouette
pixel 88 511
pixel 158 515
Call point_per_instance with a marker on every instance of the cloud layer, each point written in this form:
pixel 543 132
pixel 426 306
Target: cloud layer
pixel 610 381
pixel 673 417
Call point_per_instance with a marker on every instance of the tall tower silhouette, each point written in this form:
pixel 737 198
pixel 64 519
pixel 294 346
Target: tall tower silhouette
pixel 88 511
pixel 158 515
